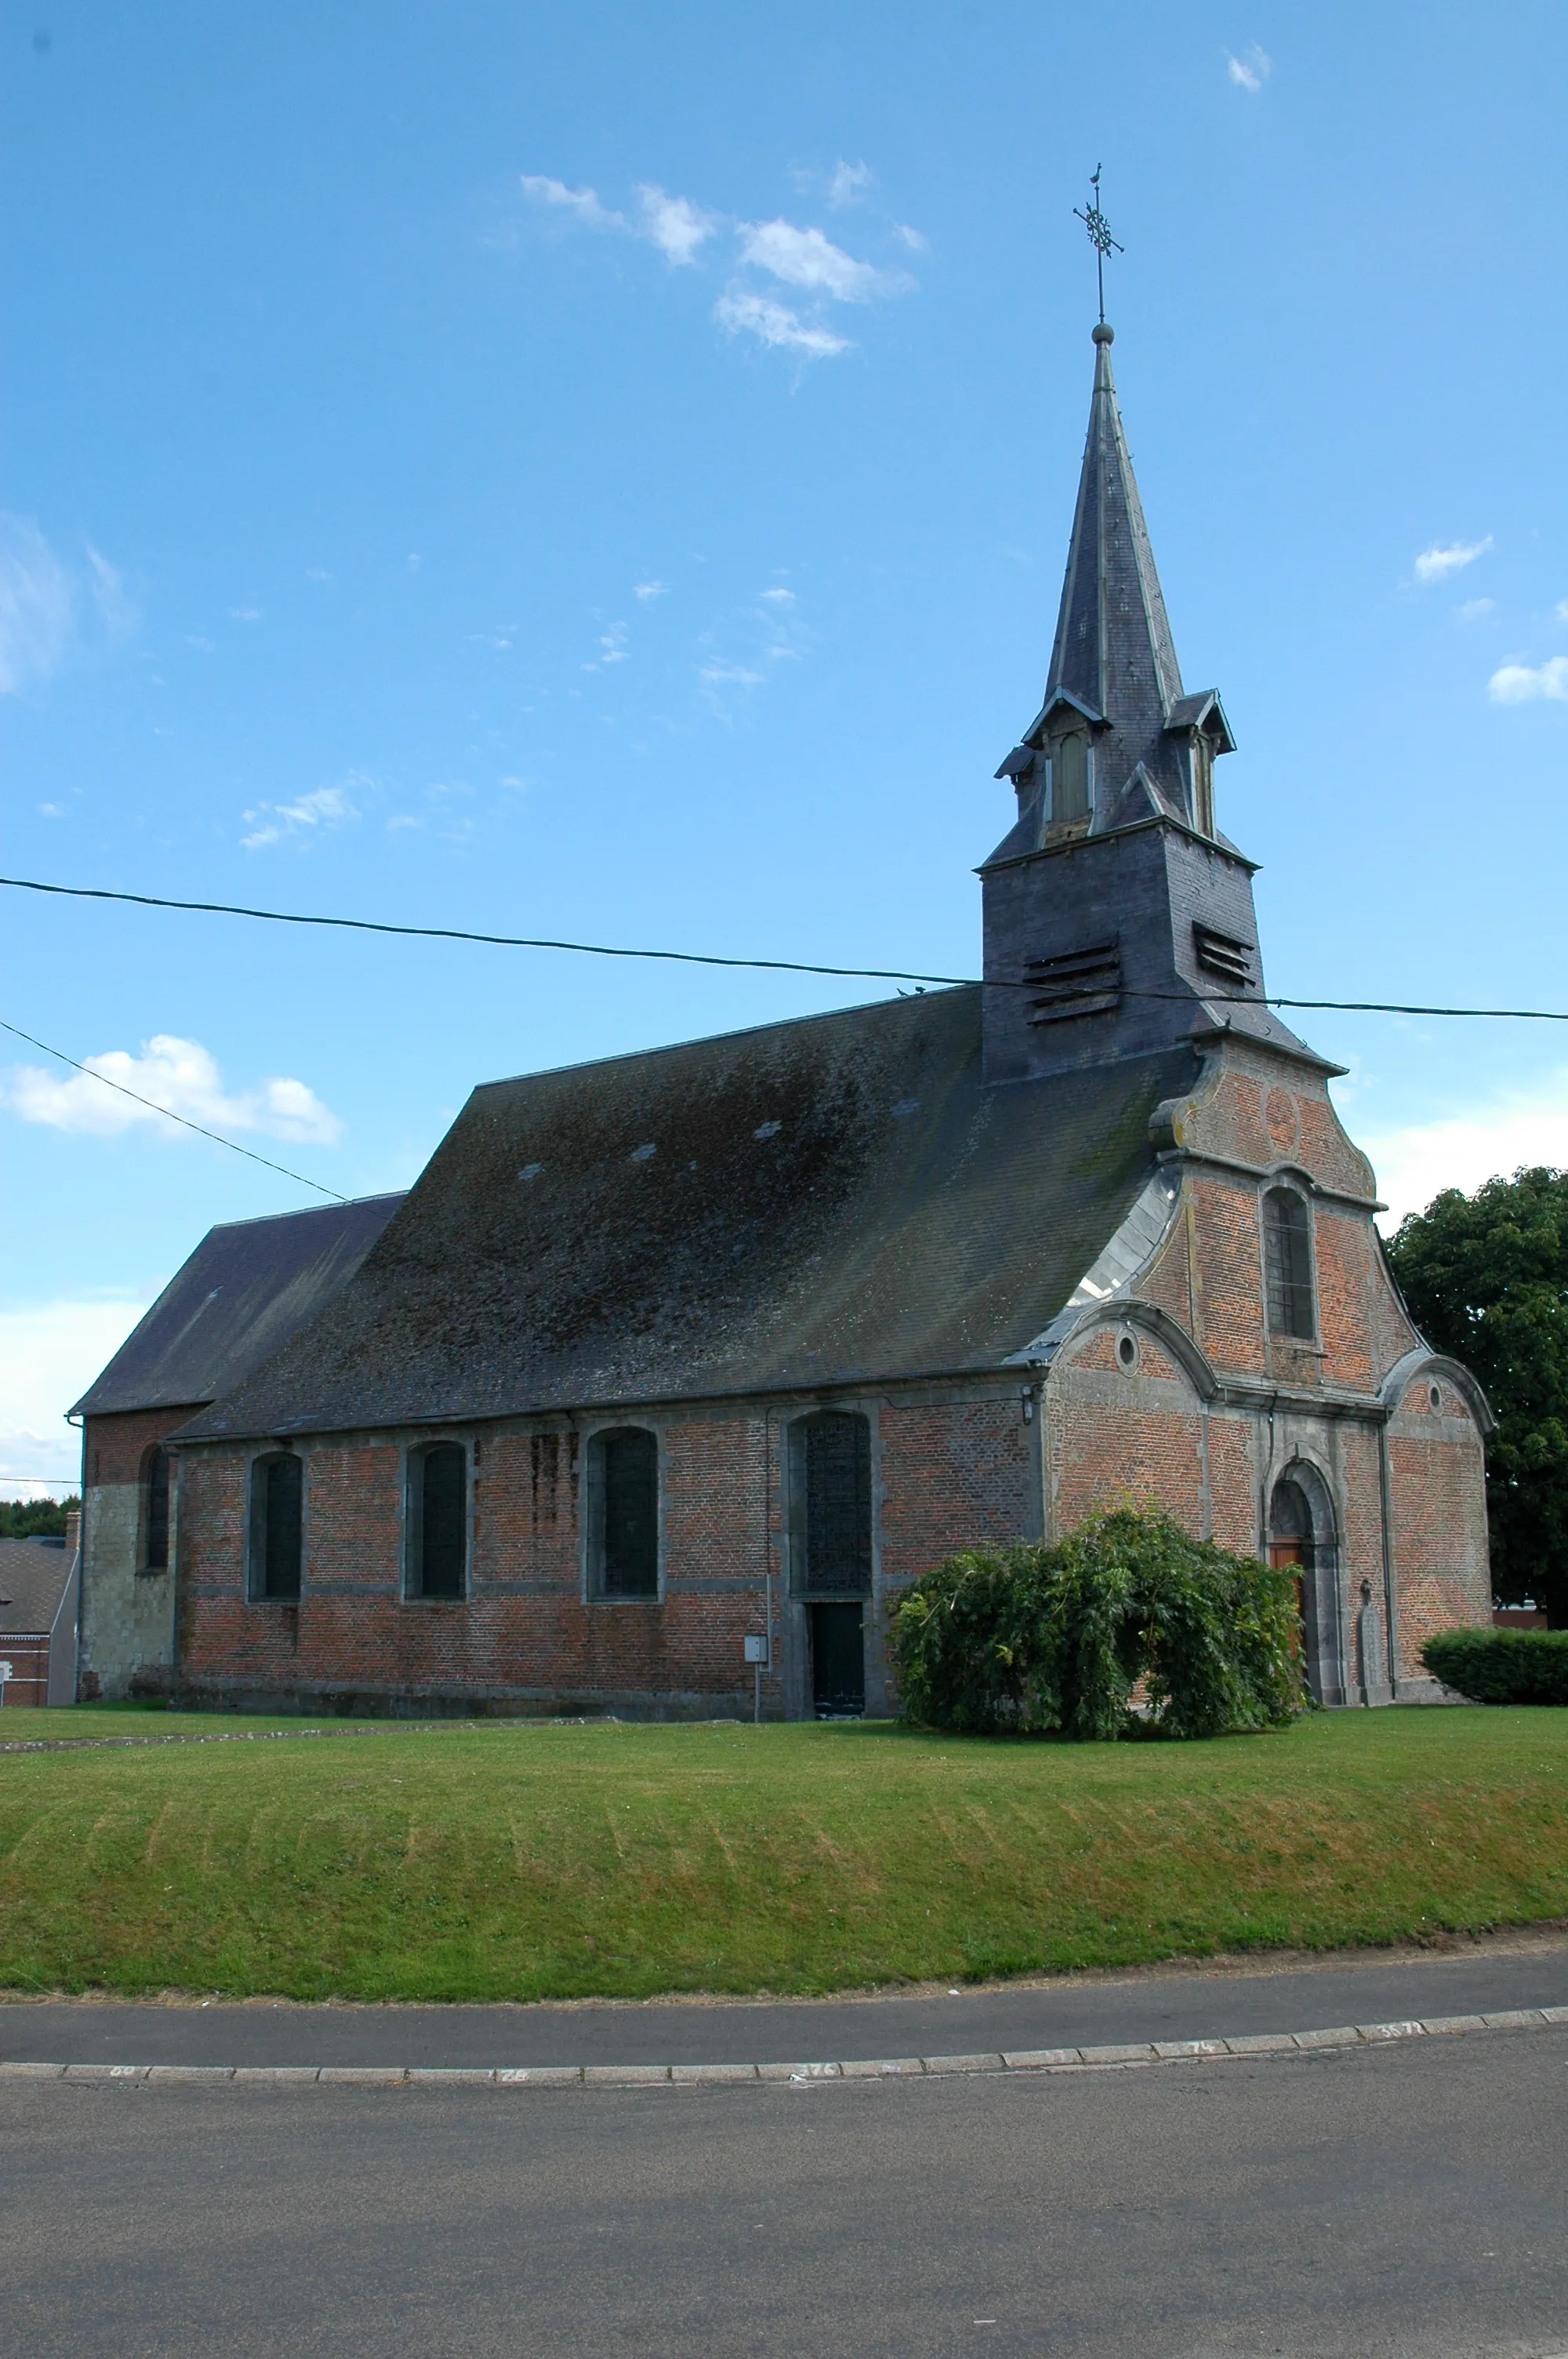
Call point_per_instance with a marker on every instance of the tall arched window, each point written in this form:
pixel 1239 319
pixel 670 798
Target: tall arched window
pixel 832 1481
pixel 623 1512
pixel 1286 1265
pixel 277 1516
pixel 437 1524
pixel 1069 757
pixel 155 1511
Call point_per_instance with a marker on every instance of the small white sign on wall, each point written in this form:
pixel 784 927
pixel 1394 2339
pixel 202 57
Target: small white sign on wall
pixel 756 1646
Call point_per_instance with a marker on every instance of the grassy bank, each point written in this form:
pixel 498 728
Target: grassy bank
pixel 533 1861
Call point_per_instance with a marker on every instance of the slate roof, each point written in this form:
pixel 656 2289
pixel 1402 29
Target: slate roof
pixel 1114 657
pixel 246 1289
pixel 830 1200
pixel 33 1574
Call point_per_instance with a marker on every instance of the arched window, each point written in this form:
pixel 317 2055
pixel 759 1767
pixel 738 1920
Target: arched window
pixel 831 1467
pixel 1069 757
pixel 623 1512
pixel 277 1515
pixel 1286 1265
pixel 155 1511
pixel 438 1521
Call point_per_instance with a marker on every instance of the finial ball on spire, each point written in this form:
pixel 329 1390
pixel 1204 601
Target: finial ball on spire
pixel 1105 333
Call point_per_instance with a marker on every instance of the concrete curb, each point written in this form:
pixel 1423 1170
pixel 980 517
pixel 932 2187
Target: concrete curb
pixel 1120 2058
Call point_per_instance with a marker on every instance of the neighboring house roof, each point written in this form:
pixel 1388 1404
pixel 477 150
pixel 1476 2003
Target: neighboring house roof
pixel 830 1200
pixel 246 1289
pixel 33 1574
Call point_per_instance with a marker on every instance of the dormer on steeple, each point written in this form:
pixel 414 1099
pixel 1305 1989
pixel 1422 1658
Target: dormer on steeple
pixel 1117 739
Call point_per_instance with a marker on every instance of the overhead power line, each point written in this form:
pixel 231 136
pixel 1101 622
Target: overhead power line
pixel 713 957
pixel 199 1129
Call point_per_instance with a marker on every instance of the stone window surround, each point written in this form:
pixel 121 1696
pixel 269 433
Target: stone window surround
pixel 143 1570
pixel 590 1576
pixel 408 1452
pixel 1290 1178
pixel 275 1446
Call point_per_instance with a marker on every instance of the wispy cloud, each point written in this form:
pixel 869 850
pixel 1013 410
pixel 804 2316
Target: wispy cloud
pixel 848 184
pixel 1561 610
pixel 799 256
pixel 322 808
pixel 728 675
pixel 1251 69
pixel 803 257
pixel 1523 683
pixel 673 224
pixel 37 606
pixel 49 1353
pixel 179 1075
pixel 650 589
pixel 1475 610
pixel 775 324
pixel 582 205
pixel 779 597
pixel 116 612
pixel 1436 563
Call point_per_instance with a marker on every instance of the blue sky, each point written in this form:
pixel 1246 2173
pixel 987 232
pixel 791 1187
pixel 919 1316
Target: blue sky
pixel 607 472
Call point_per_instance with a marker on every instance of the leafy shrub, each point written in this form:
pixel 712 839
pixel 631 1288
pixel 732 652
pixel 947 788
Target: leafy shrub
pixel 1034 1641
pixel 1501 1666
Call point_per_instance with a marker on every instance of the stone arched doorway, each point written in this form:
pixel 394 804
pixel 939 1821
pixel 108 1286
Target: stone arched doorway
pixel 1303 1539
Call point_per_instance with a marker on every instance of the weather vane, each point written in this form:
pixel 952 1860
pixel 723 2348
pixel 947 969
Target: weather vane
pixel 1100 238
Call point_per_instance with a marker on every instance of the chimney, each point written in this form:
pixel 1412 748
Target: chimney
pixel 72 1535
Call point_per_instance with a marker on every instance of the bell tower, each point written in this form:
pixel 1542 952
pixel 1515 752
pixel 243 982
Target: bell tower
pixel 1118 919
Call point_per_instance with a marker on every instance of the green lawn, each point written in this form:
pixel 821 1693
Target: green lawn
pixel 521 1861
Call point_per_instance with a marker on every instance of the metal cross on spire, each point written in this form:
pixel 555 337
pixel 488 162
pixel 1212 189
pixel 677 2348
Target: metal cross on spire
pixel 1100 238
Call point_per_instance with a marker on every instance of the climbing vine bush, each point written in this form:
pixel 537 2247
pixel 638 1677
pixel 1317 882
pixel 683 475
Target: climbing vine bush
pixel 1036 1641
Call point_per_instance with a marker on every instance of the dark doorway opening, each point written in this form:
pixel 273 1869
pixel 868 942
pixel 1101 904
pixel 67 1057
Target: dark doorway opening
pixel 837 1661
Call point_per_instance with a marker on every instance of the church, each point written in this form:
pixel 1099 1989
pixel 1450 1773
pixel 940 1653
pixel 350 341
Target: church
pixel 671 1371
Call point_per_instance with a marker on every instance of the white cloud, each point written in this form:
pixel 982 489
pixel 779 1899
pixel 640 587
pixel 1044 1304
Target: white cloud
pixel 1561 610
pixel 49 1353
pixel 1251 69
pixel 582 203
pixel 613 642
pixel 38 618
pixel 647 590
pixel 202 647
pixel 849 183
pixel 775 323
pixel 245 613
pixel 911 237
pixel 1522 683
pixel 803 257
pixel 1464 1150
pixel 673 224
pixel 179 1075
pixel 780 597
pixel 1475 610
pixel 1435 564
pixel 323 807
pixel 51 810
pixel 728 675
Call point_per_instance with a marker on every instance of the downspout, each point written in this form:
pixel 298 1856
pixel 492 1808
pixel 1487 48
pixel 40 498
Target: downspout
pixel 1390 1611
pixel 80 1572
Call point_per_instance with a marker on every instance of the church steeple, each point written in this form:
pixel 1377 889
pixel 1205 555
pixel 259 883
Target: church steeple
pixel 1117 740
pixel 1118 920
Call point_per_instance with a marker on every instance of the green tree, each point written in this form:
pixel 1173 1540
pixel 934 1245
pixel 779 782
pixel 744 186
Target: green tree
pixel 22 1519
pixel 1485 1278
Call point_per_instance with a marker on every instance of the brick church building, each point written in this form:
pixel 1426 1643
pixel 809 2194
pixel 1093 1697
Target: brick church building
pixel 682 1360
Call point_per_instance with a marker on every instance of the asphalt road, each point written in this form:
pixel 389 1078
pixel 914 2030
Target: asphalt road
pixel 1395 2201
pixel 1082 2012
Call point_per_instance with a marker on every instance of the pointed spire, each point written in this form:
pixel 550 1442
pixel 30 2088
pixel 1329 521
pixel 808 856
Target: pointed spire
pixel 1113 654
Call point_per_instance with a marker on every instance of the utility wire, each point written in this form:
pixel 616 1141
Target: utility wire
pixel 710 957
pixel 201 1132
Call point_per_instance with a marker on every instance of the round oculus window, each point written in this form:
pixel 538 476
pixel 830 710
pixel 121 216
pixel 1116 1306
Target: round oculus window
pixel 1127 1351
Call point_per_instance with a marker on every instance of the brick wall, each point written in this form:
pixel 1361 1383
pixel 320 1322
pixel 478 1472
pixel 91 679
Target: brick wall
pixel 1436 1477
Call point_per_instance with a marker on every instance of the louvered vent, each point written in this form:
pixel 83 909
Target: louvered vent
pixel 1078 983
pixel 1223 955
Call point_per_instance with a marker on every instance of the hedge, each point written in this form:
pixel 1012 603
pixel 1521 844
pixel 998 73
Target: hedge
pixel 1032 1640
pixel 1501 1666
